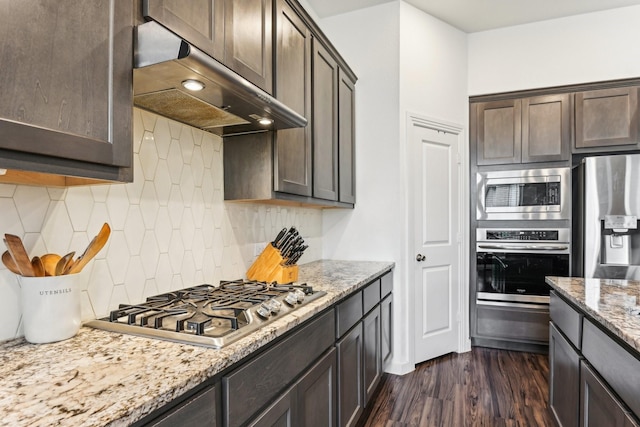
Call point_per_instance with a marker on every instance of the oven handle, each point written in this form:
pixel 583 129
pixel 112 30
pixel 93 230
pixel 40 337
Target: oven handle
pixel 525 247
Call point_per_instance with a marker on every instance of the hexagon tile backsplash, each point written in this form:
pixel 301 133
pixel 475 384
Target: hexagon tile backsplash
pixel 170 227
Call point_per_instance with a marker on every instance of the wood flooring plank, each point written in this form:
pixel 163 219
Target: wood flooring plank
pixel 485 387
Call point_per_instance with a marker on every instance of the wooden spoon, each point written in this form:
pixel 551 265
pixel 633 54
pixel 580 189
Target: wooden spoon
pixel 49 261
pixel 19 254
pixel 37 266
pixel 92 250
pixel 63 263
pixel 10 263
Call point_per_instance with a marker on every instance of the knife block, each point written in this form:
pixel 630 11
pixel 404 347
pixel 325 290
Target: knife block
pixel 268 267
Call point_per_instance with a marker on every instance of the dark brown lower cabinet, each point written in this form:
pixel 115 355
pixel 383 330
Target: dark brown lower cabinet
pixel 593 379
pixel 280 414
pixel 310 402
pixel 372 359
pixel 201 410
pixel 386 329
pixel 564 376
pixel 598 406
pixel 316 394
pixel 350 381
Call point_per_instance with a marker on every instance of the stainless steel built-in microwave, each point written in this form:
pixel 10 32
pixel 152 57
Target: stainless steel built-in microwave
pixel 524 194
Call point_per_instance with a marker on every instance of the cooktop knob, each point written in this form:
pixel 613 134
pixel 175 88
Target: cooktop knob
pixel 264 311
pixel 291 298
pixel 299 295
pixel 274 305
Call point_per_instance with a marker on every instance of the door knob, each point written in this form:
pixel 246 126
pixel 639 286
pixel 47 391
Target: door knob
pixel 420 257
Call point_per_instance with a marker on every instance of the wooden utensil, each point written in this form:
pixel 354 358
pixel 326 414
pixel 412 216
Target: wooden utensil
pixel 19 254
pixel 63 263
pixel 92 250
pixel 10 263
pixel 37 266
pixel 49 261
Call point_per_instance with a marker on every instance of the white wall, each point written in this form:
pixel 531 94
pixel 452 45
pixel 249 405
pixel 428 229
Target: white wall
pixel 578 49
pixel 405 60
pixel 433 67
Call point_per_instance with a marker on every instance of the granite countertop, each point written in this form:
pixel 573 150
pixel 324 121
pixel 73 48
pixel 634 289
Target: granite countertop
pixel 100 378
pixel 611 302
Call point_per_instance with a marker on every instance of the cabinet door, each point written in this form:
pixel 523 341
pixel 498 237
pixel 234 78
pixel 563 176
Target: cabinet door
pixel 66 83
pixel 607 117
pixel 499 132
pixel 280 414
pixel 248 40
pixel 198 411
pixel 316 394
pixel 325 129
pixel 598 406
pixel 201 22
pixel 346 138
pixel 564 379
pixel 350 383
pixel 372 360
pixel 293 88
pixel 546 128
pixel 386 329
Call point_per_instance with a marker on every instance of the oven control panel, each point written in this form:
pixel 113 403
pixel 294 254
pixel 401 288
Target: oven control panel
pixel 545 235
pixel 515 235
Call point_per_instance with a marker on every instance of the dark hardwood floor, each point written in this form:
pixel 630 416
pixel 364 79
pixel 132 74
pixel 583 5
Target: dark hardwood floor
pixel 485 387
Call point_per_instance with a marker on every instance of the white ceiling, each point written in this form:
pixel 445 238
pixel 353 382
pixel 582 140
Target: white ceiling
pixel 479 15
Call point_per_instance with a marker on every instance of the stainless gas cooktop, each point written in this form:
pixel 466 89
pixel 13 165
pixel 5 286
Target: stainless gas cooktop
pixel 207 315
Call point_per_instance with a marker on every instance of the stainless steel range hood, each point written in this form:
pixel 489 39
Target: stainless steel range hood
pixel 227 105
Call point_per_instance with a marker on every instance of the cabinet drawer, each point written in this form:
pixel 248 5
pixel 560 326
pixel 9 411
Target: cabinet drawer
pixel 515 324
pixel 568 320
pixel 263 378
pixel 619 368
pixel 386 285
pixel 371 296
pixel 348 313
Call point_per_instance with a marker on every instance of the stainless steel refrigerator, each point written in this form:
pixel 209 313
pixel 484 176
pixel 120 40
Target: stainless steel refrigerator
pixel 606 237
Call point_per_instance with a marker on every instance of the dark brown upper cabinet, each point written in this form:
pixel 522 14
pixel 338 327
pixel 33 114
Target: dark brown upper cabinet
pixel 546 128
pixel 293 88
pixel 65 91
pixel 346 138
pixel 248 40
pixel 498 132
pixel 333 128
pixel 311 166
pixel 325 123
pixel 237 33
pixel 526 130
pixel 607 118
pixel 199 21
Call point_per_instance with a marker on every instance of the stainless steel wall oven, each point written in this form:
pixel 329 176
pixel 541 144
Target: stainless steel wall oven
pixel 511 264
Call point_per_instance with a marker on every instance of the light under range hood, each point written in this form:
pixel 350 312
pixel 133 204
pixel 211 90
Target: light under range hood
pixel 227 105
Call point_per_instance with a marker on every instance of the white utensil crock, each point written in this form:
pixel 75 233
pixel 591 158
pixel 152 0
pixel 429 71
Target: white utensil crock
pixel 50 307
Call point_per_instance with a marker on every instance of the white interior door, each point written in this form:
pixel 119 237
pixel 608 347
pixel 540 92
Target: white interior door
pixel 436 228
